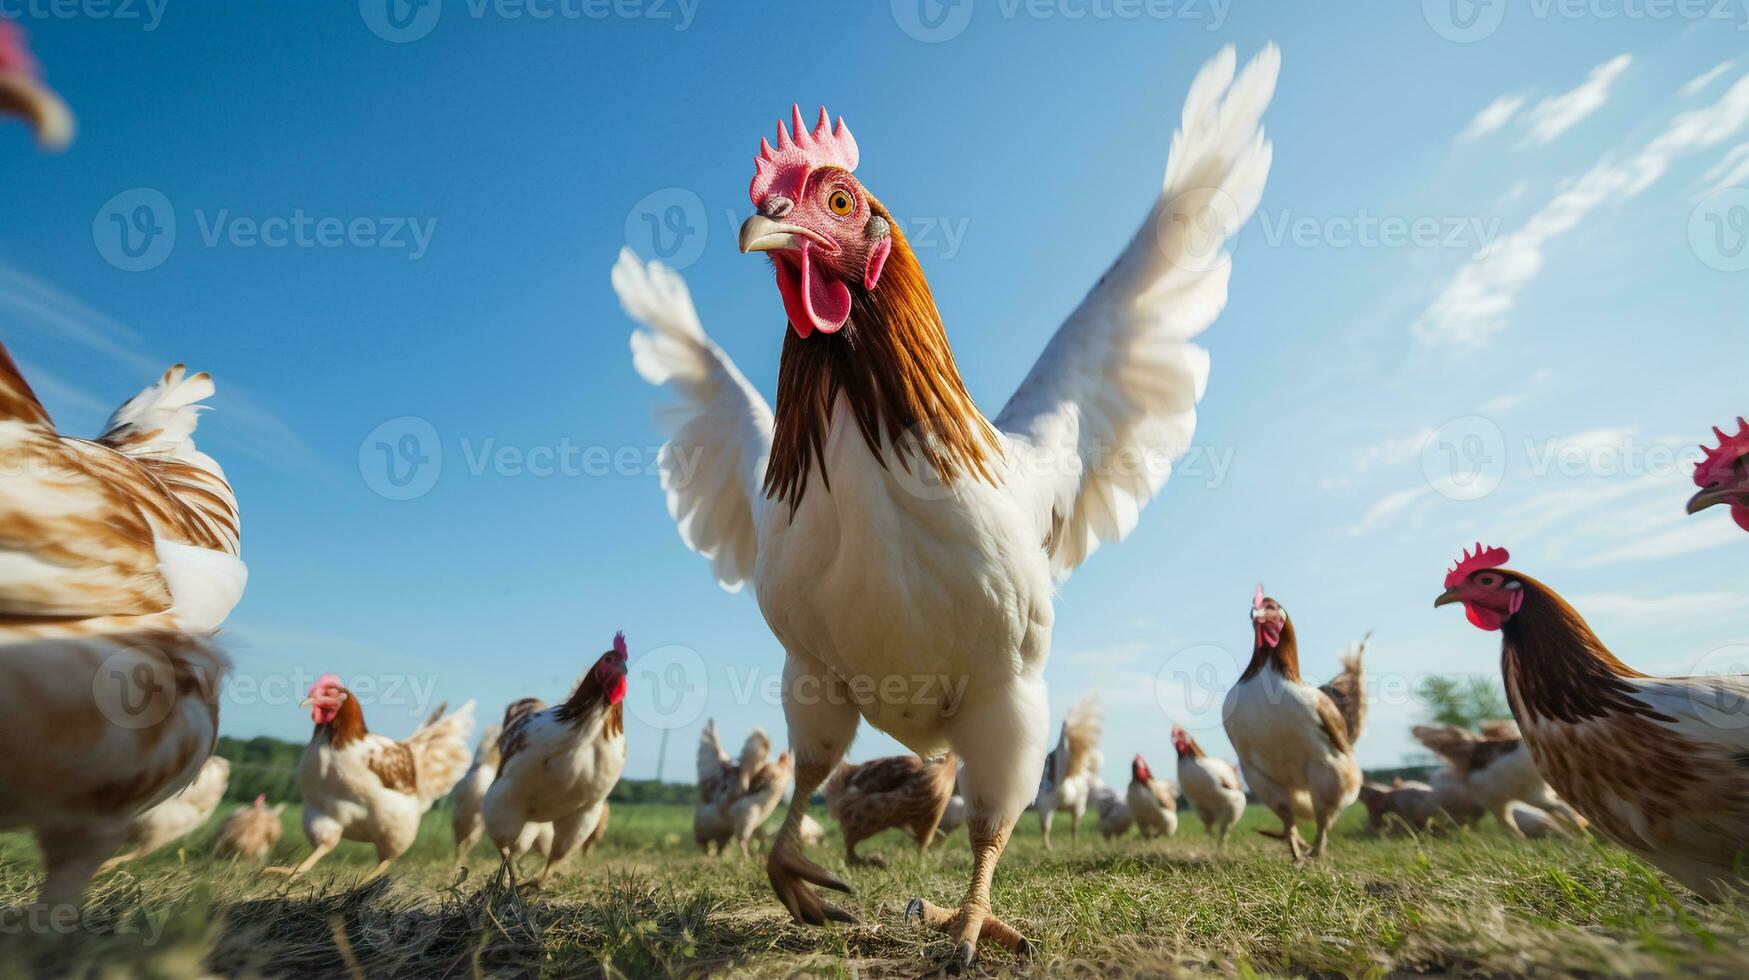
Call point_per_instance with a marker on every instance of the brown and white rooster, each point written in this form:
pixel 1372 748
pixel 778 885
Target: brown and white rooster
pixel 1072 769
pixel 1210 784
pixel 1496 769
pixel 1152 801
pixel 469 794
pixel 358 785
pixel 558 765
pixel 895 535
pixel 901 791
pixel 119 558
pixel 1293 741
pixel 23 94
pixel 251 831
pixel 177 816
pixel 1656 764
pixel 1723 475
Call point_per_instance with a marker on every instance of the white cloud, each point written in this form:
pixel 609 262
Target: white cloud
pixel 1643 611
pixel 1732 170
pixel 1475 304
pixel 1388 507
pixel 1687 537
pixel 1558 113
pixel 1497 114
pixel 1705 78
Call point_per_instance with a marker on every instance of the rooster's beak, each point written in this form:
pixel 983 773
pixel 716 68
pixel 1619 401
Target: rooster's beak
pixel 762 234
pixel 47 114
pixel 307 702
pixel 1715 494
pixel 1447 597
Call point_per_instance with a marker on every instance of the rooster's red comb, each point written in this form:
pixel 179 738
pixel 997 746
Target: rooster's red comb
pixel 619 643
pixel 783 168
pixel 1471 563
pixel 260 800
pixel 1716 466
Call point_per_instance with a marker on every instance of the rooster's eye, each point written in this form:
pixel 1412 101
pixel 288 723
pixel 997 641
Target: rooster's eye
pixel 840 203
pixel 1488 580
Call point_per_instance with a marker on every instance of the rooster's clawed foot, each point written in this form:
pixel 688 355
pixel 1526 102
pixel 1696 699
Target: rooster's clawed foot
pixel 967 928
pixel 790 873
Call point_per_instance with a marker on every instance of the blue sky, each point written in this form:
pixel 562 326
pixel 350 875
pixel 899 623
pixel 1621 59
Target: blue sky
pixel 1471 305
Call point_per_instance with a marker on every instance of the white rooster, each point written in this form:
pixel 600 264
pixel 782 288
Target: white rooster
pixel 1210 784
pixel 177 816
pixel 558 765
pixel 893 534
pixel 119 557
pixel 358 785
pixel 1071 770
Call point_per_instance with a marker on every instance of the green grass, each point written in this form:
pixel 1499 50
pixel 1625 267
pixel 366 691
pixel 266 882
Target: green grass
pixel 648 903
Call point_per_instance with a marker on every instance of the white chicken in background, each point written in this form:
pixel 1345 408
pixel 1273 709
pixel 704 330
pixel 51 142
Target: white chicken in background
pixel 1153 801
pixel 118 560
pixel 23 94
pixel 891 531
pixel 558 766
pixel 748 813
pixel 1071 769
pixel 358 785
pixel 250 832
pixel 1210 784
pixel 1115 816
pixel 723 783
pixel 177 816
pixel 1292 739
pixel 465 799
pixel 1498 771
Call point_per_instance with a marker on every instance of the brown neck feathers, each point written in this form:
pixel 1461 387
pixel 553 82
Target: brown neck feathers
pixel 348 723
pixel 587 699
pixel 1556 668
pixel 893 365
pixel 1284 656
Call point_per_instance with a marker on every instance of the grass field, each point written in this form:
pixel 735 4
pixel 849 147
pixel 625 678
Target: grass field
pixel 647 903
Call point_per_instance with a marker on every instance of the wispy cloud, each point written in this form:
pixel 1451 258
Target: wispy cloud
pixel 1492 118
pixel 32 305
pixel 1731 171
pixel 1705 78
pixel 1558 113
pixel 1654 610
pixel 1476 302
pixel 1388 508
pixel 1687 537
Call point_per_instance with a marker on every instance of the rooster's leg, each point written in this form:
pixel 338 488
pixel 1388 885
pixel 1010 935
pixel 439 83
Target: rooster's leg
pixel 121 859
pixel 316 854
pixel 72 855
pixel 973 920
pixel 1074 827
pixel 789 869
pixel 1045 815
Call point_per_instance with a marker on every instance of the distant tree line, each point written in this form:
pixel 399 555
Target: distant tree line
pixel 270 765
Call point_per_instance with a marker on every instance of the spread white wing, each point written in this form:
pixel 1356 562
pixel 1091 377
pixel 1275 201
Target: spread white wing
pixel 718 427
pixel 1111 403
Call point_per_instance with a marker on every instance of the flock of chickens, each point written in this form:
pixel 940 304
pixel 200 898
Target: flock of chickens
pixel 888 529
